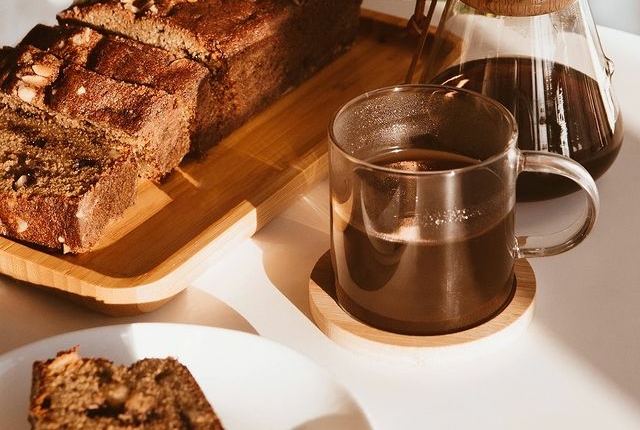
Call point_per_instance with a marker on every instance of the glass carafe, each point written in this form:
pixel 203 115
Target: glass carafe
pixel 543 60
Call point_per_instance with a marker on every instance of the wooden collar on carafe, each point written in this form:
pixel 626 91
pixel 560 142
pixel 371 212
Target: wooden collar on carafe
pixel 519 7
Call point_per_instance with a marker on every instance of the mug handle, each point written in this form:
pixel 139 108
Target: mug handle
pixel 545 162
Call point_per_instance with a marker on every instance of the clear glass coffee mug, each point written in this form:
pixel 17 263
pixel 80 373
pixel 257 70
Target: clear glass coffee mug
pixel 423 193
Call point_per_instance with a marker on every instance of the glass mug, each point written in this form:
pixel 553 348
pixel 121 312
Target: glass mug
pixel 423 194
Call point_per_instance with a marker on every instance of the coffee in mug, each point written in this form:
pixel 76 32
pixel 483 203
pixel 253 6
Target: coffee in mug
pixel 422 181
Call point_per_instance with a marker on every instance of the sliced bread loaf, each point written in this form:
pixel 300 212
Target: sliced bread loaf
pixel 134 62
pixel 59 187
pixel 258 49
pixel 150 120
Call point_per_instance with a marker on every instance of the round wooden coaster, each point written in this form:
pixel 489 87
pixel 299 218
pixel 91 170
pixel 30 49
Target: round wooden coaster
pixel 519 7
pixel 352 334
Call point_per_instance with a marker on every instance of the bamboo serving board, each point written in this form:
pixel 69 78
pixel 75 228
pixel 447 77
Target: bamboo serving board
pixel 163 242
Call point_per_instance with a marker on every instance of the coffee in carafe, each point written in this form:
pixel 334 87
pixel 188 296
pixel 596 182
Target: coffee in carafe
pixel 544 62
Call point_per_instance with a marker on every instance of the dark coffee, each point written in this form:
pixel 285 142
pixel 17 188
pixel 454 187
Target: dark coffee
pixel 402 279
pixel 574 121
pixel 422 160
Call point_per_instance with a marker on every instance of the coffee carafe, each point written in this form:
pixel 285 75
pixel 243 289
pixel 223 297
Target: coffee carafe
pixel 543 60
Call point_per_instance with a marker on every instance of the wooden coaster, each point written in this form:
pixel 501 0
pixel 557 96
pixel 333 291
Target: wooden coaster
pixel 520 7
pixel 352 334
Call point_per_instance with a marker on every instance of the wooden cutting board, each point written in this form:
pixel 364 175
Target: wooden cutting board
pixel 208 205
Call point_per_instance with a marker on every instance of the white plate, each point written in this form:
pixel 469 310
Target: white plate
pixel 251 382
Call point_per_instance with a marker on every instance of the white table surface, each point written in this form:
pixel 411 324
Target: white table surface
pixel 577 365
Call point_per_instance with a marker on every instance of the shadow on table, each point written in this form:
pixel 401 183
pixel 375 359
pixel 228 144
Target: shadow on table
pixel 301 257
pixel 346 421
pixel 602 334
pixel 49 314
pixel 595 313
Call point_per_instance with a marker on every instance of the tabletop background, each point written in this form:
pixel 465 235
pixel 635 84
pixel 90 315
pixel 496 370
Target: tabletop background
pixel 576 366
pixel 619 14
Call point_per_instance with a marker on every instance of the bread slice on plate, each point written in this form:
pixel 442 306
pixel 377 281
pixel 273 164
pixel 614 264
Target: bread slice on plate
pixel 73 392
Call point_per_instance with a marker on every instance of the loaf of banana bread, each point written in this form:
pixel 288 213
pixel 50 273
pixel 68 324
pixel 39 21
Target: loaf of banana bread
pixel 59 186
pixel 150 120
pixel 160 76
pixel 129 61
pixel 257 49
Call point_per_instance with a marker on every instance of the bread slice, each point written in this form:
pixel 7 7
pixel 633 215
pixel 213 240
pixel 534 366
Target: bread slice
pixel 259 50
pixel 73 392
pixel 59 187
pixel 150 120
pixel 133 62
